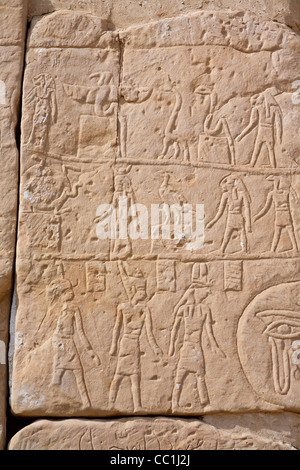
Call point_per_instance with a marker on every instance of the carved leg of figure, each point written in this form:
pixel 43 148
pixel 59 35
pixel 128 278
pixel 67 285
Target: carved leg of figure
pixel 82 388
pixel 244 240
pixel 136 392
pixel 276 238
pixel 57 377
pixel 227 236
pixel 121 249
pixel 230 141
pixel 114 388
pixel 186 152
pixel 202 389
pixel 272 156
pixel 43 133
pixel 257 149
pixel 180 378
pixel 177 150
pixel 292 235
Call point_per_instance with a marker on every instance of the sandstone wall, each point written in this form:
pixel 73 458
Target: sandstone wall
pixel 124 13
pixel 190 104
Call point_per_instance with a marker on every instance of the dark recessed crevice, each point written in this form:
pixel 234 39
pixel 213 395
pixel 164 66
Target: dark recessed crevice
pixel 15 424
pixel 10 423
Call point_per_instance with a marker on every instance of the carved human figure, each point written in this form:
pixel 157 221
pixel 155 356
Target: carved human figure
pixel 123 198
pixel 171 196
pixel 194 316
pixel 178 136
pixel 266 117
pixel 122 185
pixel 280 198
pixel 133 316
pixel 168 194
pixel 221 128
pixel 69 324
pixel 121 246
pixel 42 96
pixel 237 200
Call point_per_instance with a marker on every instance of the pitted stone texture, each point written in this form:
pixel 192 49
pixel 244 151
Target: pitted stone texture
pixel 123 13
pixel 198 109
pixel 13 15
pixel 248 432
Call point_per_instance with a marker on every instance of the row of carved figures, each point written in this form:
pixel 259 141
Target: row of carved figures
pixel 266 116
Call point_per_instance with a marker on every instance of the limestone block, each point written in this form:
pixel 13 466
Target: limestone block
pixel 248 432
pixel 200 113
pixel 124 13
pixel 13 15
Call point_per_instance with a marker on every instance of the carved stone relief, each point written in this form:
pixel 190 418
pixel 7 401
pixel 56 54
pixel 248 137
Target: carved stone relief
pixel 248 432
pixel 187 111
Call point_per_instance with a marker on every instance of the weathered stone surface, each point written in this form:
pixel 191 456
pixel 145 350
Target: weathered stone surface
pixel 13 16
pixel 198 109
pixel 123 13
pixel 248 432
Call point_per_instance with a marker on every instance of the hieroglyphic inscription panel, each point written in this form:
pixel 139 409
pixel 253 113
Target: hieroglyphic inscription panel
pixel 249 432
pixel 194 117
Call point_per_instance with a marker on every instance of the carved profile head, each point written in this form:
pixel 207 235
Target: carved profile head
pixel 123 170
pixel 45 80
pixel 60 290
pixel 273 91
pixel 256 99
pixel 275 180
pixel 228 183
pixel 138 289
pixel 199 292
pixel 235 185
